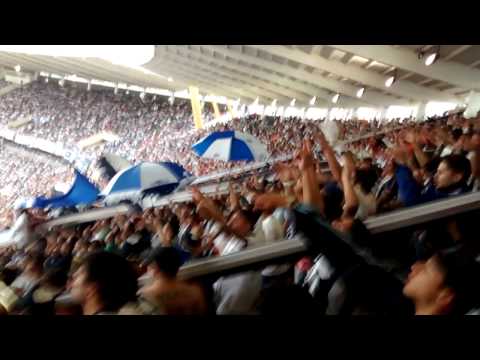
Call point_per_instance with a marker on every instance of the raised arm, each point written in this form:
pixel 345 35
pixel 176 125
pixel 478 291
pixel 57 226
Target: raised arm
pixel 206 207
pixel 311 192
pixel 233 198
pixel 351 200
pixel 329 154
pixel 421 157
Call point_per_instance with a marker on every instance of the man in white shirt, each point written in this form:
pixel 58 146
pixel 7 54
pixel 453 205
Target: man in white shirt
pixel 22 232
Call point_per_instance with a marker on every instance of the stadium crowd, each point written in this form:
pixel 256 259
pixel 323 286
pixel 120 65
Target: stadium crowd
pixel 148 129
pixel 3 83
pixel 28 173
pixel 129 264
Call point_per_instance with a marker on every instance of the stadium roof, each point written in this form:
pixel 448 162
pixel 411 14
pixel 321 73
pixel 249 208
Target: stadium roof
pixel 286 72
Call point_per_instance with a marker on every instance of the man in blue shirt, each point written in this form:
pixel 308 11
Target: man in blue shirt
pixel 450 179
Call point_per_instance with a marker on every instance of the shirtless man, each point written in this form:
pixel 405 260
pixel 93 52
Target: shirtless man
pixel 166 293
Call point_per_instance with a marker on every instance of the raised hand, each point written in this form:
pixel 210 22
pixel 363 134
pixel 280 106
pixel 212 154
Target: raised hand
pixel 320 137
pixel 197 196
pixel 305 156
pixel 269 202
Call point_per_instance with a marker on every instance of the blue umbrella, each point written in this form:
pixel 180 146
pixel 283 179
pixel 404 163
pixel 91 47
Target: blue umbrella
pixel 231 146
pixel 146 176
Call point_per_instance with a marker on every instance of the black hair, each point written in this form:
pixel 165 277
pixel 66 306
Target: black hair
pixel 174 225
pixel 461 275
pixel 36 259
pixel 459 164
pixel 97 245
pixel 457 133
pixel 9 275
pixel 432 165
pixel 333 204
pixel 251 216
pixel 114 278
pixel 56 277
pixel 167 260
pixel 366 178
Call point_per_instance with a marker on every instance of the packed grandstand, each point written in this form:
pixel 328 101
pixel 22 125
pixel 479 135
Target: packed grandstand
pixel 323 182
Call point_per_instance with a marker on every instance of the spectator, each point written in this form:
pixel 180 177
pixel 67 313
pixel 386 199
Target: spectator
pixel 104 284
pixel 31 275
pixel 445 284
pixel 166 293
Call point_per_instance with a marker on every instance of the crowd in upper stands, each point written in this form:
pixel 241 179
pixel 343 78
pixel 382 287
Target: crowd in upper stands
pixel 148 129
pixel 3 83
pixel 129 264
pixel 28 173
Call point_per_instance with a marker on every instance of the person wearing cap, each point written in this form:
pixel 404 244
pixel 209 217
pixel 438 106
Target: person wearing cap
pixel 165 293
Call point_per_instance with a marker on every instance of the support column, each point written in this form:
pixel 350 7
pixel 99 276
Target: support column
pixel 215 110
pixel 383 114
pixel 421 112
pixel 328 113
pixel 473 105
pixel 230 108
pixel 196 107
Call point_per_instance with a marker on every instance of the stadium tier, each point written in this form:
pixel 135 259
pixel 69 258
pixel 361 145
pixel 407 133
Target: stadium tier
pixel 122 202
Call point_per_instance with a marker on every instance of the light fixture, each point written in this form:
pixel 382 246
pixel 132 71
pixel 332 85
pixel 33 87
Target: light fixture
pixel 391 79
pixel 335 98
pixel 292 103
pixel 433 57
pixel 430 57
pixel 17 68
pixel 360 92
pixel 312 102
pixel 170 79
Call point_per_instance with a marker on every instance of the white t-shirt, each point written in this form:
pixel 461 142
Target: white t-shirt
pixel 24 282
pixel 446 151
pixel 20 232
pixel 228 244
pixel 272 229
pixel 237 294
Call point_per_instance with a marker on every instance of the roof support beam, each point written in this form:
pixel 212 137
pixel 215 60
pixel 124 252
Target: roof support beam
pixel 233 80
pixel 457 51
pixel 31 63
pixel 449 72
pixel 402 88
pixel 285 86
pixel 212 80
pixel 370 98
pixel 208 87
pixel 268 83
